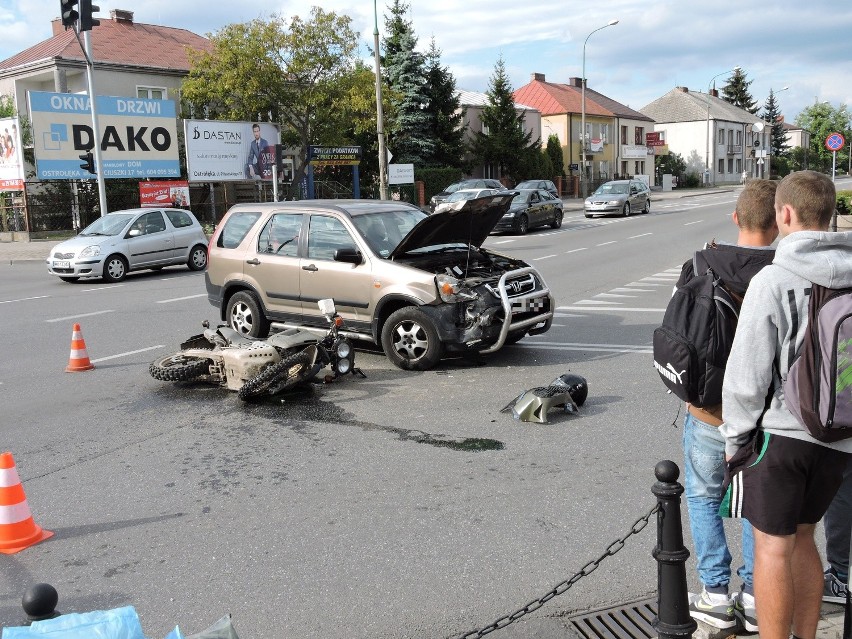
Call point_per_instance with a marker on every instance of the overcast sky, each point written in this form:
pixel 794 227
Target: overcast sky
pixel 657 45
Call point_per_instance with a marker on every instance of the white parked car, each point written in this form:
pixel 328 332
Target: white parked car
pixel 131 240
pixel 452 202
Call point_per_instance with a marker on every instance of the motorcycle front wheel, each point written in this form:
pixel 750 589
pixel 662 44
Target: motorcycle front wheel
pixel 179 368
pixel 283 375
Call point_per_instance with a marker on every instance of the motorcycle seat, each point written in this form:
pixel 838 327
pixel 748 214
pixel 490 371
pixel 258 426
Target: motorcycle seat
pixel 233 337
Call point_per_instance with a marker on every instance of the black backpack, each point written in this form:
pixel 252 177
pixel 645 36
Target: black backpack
pixel 692 345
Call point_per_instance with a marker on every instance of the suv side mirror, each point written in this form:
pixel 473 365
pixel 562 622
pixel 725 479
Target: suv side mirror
pixel 350 255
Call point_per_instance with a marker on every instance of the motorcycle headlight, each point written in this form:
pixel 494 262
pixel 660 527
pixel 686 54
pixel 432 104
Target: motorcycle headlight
pixel 344 365
pixel 343 349
pixel 453 290
pixel 91 251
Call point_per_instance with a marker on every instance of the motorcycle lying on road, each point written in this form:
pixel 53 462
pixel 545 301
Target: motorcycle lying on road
pixel 255 367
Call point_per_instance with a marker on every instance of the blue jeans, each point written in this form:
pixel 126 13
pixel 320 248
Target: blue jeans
pixel 704 471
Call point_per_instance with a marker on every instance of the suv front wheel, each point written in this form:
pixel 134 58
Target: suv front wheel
pixel 410 340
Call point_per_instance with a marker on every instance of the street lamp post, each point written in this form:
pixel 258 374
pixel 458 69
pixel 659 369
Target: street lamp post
pixel 380 119
pixel 770 126
pixel 707 171
pixel 583 111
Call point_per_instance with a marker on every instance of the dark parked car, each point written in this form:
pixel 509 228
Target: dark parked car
pixel 474 183
pixel 531 208
pixel 619 196
pixel 544 185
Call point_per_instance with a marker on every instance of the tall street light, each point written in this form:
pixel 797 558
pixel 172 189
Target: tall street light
pixel 380 118
pixel 770 127
pixel 707 171
pixel 583 111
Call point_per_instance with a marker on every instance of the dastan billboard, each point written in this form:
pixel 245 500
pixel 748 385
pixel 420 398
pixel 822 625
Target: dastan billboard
pixel 221 151
pixel 137 137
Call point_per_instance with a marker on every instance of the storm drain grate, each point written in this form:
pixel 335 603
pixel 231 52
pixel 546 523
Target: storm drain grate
pixel 631 621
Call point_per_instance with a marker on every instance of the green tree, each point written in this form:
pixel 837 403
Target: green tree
pixel 503 141
pixel 554 152
pixel 7 106
pixel 672 163
pixel 736 92
pixel 821 120
pixel 772 114
pixel 299 74
pixel 444 112
pixel 405 70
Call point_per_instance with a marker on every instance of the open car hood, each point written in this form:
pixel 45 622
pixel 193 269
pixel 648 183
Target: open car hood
pixel 470 224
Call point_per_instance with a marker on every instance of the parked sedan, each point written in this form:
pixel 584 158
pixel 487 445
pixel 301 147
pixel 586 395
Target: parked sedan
pixel 473 183
pixel 619 196
pixel 531 208
pixel 544 185
pixel 460 196
pixel 131 240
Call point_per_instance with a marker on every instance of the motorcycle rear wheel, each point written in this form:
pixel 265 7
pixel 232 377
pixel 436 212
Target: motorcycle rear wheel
pixel 283 375
pixel 179 368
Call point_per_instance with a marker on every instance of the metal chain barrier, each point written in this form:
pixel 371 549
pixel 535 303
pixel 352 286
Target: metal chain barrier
pixel 585 571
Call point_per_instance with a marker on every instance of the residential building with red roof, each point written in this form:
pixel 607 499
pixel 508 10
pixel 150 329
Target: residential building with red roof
pixel 130 59
pixel 615 133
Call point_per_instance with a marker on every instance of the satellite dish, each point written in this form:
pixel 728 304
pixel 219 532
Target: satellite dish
pixel 758 126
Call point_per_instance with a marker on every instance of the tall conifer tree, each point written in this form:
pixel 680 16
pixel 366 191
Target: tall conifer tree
pixel 444 112
pixel 736 92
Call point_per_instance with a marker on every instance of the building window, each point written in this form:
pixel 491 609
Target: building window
pixel 739 165
pixel 624 135
pixel 730 165
pixel 639 135
pixel 722 166
pixel 152 93
pixel 484 128
pixel 739 138
pixel 730 137
pixel 605 133
pixel 720 137
pixel 623 168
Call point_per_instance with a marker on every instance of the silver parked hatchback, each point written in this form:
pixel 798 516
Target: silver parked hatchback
pixel 131 240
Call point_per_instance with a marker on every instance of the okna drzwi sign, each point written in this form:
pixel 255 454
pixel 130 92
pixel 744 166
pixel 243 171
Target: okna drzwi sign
pixel 137 137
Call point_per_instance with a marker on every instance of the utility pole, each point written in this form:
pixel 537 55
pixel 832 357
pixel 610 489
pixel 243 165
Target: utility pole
pixel 99 167
pixel 380 118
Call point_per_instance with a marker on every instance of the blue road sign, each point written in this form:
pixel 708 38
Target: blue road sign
pixel 834 142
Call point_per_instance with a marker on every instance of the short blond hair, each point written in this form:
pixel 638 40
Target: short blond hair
pixel 756 205
pixel 811 195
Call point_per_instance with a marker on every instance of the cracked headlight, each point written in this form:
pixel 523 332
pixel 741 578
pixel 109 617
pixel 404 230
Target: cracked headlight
pixel 453 290
pixel 91 251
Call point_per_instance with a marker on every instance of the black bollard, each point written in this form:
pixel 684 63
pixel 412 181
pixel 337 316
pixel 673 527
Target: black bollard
pixel 673 620
pixel 39 602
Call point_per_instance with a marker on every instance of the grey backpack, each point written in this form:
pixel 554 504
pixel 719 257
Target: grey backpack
pixel 818 389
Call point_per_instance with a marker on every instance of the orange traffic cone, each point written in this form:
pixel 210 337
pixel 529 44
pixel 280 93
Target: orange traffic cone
pixel 17 528
pixel 79 357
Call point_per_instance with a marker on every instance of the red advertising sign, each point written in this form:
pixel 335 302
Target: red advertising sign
pixel 171 194
pixel 653 139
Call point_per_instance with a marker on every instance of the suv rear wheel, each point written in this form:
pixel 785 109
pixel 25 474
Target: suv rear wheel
pixel 245 317
pixel 410 340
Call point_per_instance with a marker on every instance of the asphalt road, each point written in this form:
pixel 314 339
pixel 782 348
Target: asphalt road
pixel 401 505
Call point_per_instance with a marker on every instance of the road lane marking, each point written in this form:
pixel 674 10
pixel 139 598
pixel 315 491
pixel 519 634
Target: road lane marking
pixel 25 299
pixel 613 295
pixel 605 243
pixel 595 302
pixel 141 350
pixel 644 284
pixel 696 222
pixel 575 250
pixel 632 290
pixel 504 242
pixel 609 308
pixel 70 317
pixel 545 257
pixel 633 237
pixel 181 299
pixel 101 288
pixel 654 278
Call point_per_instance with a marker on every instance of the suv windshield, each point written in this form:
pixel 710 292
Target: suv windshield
pixel 108 225
pixel 612 188
pixel 384 231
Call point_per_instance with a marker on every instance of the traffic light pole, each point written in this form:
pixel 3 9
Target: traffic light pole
pixel 90 76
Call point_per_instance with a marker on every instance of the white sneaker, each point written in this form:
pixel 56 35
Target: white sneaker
pixel 744 610
pixel 713 609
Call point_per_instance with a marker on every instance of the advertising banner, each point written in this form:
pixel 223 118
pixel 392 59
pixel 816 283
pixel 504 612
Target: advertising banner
pixel 633 152
pixel 138 137
pixel 225 151
pixel 174 194
pixel 334 155
pixel 400 174
pixel 11 156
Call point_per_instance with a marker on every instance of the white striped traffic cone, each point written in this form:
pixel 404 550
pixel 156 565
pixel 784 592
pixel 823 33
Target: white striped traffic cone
pixel 17 528
pixel 79 360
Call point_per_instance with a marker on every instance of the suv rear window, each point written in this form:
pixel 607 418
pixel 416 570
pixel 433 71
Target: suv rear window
pixel 236 229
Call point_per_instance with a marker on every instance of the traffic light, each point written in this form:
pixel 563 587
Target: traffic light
pixel 86 19
pixel 68 13
pixel 88 162
pixel 279 158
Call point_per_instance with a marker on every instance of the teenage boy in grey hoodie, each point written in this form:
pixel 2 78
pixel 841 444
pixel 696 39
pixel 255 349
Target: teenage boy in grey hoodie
pixel 784 478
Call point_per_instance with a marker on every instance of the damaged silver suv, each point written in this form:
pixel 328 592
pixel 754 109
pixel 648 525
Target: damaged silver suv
pixel 419 285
